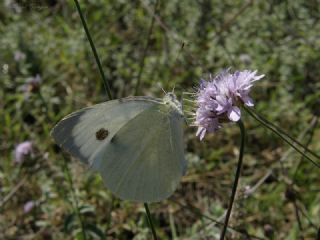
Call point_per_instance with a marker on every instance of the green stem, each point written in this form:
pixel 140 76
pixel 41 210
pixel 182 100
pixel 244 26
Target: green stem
pixel 311 135
pixel 105 82
pixel 236 181
pixel 150 221
pixel 75 203
pixel 196 211
pixel 283 132
pixel 283 137
pixel 75 199
pixel 96 56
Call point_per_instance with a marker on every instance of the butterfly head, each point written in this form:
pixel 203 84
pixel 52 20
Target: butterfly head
pixel 171 99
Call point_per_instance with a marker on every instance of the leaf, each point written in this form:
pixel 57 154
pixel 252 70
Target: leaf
pixel 69 223
pixel 86 209
pixel 95 231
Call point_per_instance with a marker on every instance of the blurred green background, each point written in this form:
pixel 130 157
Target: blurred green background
pixel 48 70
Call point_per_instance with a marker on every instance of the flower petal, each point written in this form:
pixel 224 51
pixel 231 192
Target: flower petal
pixel 201 133
pixel 234 114
pixel 256 78
pixel 28 206
pixel 247 100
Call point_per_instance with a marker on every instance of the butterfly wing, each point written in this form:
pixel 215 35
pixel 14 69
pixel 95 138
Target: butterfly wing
pixel 87 131
pixel 144 160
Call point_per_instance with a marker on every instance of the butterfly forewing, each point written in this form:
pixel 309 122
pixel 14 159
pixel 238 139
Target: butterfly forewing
pixel 86 131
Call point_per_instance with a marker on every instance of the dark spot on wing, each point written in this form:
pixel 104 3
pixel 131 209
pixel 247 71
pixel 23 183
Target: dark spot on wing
pixel 101 134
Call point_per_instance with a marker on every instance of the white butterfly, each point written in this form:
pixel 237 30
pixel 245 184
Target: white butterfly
pixel 135 143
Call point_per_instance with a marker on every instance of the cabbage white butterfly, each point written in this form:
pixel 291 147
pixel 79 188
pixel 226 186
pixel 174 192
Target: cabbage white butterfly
pixel 135 143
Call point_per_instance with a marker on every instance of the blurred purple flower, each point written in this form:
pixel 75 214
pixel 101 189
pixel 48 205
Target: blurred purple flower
pixel 218 99
pixel 19 56
pixel 32 84
pixel 28 206
pixel 22 150
pixel 34 80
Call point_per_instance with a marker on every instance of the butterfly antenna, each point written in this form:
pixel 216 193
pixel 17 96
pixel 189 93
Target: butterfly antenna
pixel 163 90
pixel 176 58
pixel 181 101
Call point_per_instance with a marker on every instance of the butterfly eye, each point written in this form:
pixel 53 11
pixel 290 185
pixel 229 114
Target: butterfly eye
pixel 101 134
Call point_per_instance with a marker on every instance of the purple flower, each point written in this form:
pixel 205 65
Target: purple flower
pixel 28 206
pixel 22 150
pixel 34 80
pixel 19 56
pixel 219 98
pixel 32 84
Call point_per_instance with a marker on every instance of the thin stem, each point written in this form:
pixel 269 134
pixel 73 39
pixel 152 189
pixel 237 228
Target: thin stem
pixel 311 134
pixel 145 50
pixel 297 214
pixel 150 221
pixel 196 211
pixel 284 133
pixel 13 191
pixel 236 181
pixel 105 82
pixel 273 129
pixel 75 199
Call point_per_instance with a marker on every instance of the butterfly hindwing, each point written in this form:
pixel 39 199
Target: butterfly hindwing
pixel 144 160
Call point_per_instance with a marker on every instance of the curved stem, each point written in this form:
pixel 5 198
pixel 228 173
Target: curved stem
pixel 103 76
pixel 198 212
pixel 282 132
pixel 106 83
pixel 75 203
pixel 236 181
pixel 95 53
pixel 150 221
pixel 285 137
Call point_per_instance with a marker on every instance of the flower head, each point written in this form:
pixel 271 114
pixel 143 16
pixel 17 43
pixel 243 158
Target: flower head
pixel 219 98
pixel 32 84
pixel 22 150
pixel 19 56
pixel 28 206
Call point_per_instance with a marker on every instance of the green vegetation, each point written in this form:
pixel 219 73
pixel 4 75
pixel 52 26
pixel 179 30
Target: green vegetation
pixel 279 193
